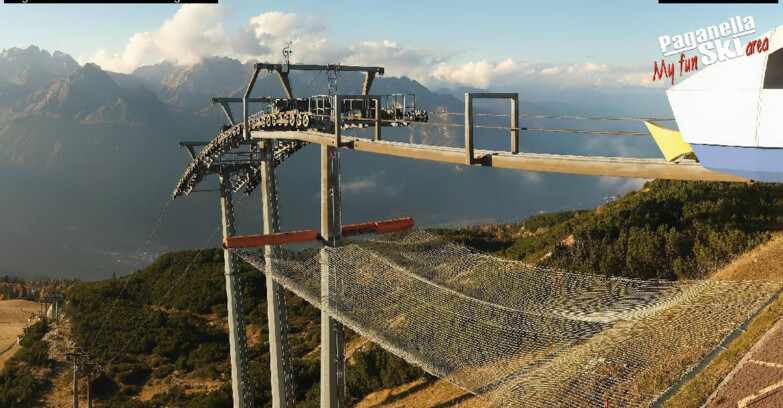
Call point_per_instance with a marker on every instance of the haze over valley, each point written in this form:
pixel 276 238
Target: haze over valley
pixel 88 159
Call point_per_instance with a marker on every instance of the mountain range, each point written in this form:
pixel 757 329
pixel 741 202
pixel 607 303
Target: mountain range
pixel 88 159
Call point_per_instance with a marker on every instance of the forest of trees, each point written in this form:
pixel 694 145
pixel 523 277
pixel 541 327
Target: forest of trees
pixel 668 230
pixel 179 337
pixel 18 381
pixel 12 287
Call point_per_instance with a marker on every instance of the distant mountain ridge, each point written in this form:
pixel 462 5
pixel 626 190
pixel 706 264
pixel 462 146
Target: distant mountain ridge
pixel 15 60
pixel 88 156
pixel 44 83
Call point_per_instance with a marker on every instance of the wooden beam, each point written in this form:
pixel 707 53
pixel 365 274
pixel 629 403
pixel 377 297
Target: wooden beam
pixel 309 67
pixel 469 157
pixel 515 124
pixel 553 163
pixel 278 238
pixel 378 227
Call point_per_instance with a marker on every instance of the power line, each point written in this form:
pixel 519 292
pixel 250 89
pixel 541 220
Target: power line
pixel 543 130
pixel 569 117
pixel 541 211
pixel 524 129
pixel 589 132
pixel 127 279
pixel 140 327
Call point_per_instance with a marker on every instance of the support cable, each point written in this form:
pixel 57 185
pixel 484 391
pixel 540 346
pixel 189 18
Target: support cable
pixel 522 128
pixel 127 278
pixel 165 296
pixel 570 117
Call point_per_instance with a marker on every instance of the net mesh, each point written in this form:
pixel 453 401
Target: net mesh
pixel 514 334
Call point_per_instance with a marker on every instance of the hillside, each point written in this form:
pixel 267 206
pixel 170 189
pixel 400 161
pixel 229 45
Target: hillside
pixel 185 339
pixel 15 316
pixel 760 263
pixel 667 230
pixel 749 213
pixel 167 337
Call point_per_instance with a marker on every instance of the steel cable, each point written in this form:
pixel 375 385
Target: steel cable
pixel 569 117
pixel 127 278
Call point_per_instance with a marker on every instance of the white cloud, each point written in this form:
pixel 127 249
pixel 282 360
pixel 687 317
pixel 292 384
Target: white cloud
pixel 192 34
pixel 195 32
pixel 622 185
pixel 532 177
pixel 510 74
pixel 367 184
pixel 272 30
pixel 397 59
pixel 359 185
pixel 483 74
pixel 643 79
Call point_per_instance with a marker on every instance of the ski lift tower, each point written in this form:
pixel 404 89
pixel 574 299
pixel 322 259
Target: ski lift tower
pixel 245 155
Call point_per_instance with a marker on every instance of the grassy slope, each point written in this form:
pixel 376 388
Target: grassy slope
pixel 183 346
pixel 423 393
pixel 763 263
pixel 186 335
pixel 700 208
pixel 13 315
pixel 668 230
pixel 182 350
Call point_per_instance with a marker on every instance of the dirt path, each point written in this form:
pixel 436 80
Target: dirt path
pixel 762 263
pixel 423 393
pixel 59 392
pixel 14 315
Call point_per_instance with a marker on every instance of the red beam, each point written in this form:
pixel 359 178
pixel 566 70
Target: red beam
pixel 279 238
pixel 270 239
pixel 378 227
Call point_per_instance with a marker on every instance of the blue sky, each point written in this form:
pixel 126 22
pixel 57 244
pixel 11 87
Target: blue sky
pixel 577 32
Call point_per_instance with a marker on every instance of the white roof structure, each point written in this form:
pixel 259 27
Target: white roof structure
pixel 738 102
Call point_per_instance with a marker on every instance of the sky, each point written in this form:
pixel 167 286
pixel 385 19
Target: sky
pixel 602 43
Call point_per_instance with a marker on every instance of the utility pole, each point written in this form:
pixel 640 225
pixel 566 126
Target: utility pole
pixel 89 394
pixel 81 362
pixel 54 298
pixel 75 386
pixel 332 331
pixel 236 317
pixel 277 314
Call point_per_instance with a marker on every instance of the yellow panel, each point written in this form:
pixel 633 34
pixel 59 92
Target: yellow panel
pixel 669 141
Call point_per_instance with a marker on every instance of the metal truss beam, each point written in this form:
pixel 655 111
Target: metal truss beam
pixel 237 335
pixel 306 67
pixel 225 104
pixel 552 163
pixel 282 71
pixel 277 314
pixel 332 331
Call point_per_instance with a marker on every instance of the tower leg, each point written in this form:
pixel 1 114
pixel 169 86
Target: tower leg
pixel 236 320
pixel 75 386
pixel 277 314
pixel 332 332
pixel 89 396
